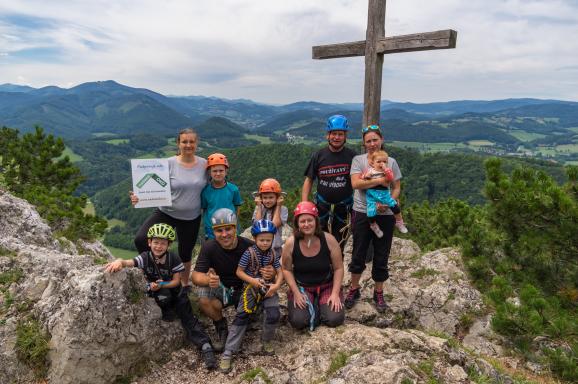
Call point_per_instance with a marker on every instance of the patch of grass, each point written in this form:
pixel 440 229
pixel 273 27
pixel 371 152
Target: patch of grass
pixel 405 380
pixel 426 369
pixel 136 292
pixel 99 260
pixel 9 277
pixel 337 362
pixel 24 306
pixel 32 345
pixel 7 253
pixel 135 295
pixel 466 321
pixel 423 272
pixel 251 374
pixel 8 300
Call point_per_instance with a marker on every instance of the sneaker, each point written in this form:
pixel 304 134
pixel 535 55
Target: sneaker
pixel 400 225
pixel 226 365
pixel 268 348
pixel 375 228
pixel 208 356
pixel 379 301
pixel 352 296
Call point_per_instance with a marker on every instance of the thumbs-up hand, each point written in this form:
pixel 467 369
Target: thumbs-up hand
pixel 214 279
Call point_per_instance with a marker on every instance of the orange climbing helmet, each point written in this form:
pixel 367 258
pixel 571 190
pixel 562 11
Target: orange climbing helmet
pixel 217 159
pixel 270 185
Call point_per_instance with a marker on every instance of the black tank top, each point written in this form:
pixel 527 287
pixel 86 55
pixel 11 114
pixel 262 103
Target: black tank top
pixel 314 270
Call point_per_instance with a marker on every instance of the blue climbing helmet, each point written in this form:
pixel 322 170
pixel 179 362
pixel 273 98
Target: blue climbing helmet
pixel 263 226
pixel 337 123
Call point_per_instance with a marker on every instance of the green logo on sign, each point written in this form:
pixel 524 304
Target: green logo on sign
pixel 149 176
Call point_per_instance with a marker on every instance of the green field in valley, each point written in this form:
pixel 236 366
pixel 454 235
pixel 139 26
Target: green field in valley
pixel 122 253
pixel 117 141
pixel 525 136
pixel 74 157
pixel 260 139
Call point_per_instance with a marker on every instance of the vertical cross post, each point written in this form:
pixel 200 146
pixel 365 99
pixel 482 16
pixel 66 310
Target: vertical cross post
pixel 375 46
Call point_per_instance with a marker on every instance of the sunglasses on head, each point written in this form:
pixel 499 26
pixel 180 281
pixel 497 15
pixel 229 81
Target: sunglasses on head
pixel 371 128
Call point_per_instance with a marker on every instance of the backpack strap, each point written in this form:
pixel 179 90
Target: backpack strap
pixel 254 264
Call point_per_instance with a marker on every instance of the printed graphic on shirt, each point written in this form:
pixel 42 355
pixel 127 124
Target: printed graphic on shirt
pixel 333 176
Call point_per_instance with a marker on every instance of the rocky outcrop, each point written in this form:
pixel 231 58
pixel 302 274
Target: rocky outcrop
pixel 100 326
pixel 429 292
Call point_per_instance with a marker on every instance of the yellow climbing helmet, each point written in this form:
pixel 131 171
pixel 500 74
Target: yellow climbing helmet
pixel 161 231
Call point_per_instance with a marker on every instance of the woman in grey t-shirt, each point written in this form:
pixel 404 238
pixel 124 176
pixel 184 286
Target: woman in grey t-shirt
pixel 188 177
pixel 363 236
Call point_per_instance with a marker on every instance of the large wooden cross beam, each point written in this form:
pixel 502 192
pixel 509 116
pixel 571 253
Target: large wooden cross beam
pixel 375 46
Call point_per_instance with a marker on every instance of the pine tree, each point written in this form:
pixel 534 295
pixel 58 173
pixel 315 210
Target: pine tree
pixel 34 169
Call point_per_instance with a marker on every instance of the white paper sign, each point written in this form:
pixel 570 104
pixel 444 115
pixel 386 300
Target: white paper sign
pixel 150 182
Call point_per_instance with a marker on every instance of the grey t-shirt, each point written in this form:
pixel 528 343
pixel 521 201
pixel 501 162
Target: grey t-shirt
pixel 358 165
pixel 186 187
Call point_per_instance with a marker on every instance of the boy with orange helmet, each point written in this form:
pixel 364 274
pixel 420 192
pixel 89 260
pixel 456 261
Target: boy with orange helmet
pixel 219 193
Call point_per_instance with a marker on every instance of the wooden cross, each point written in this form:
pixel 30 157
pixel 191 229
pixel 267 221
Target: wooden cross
pixel 375 46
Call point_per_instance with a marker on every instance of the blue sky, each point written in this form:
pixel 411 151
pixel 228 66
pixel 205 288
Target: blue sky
pixel 261 49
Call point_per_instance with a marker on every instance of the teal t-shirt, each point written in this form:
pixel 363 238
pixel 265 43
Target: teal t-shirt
pixel 214 198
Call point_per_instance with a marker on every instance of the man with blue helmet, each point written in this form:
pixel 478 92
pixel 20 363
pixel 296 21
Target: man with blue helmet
pixel 330 166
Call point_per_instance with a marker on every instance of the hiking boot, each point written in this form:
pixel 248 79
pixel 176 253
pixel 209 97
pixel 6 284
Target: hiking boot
pixel 222 334
pixel 226 364
pixel 352 296
pixel 379 301
pixel 268 348
pixel 375 228
pixel 208 356
pixel 400 225
pixel 169 315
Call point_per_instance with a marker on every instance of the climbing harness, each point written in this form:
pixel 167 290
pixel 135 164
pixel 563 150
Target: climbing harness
pixel 330 215
pixel 252 297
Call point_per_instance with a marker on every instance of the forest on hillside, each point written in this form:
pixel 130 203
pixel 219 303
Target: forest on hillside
pixel 426 177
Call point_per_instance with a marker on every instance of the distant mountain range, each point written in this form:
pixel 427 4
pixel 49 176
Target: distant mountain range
pixel 110 107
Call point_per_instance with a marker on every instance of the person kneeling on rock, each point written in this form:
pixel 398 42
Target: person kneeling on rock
pixel 162 270
pixel 215 273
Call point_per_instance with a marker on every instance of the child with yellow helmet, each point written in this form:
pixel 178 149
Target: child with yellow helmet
pixel 162 270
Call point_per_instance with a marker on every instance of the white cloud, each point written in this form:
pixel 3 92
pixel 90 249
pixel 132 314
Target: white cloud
pixel 262 49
